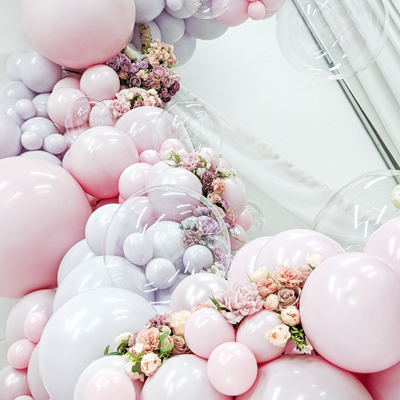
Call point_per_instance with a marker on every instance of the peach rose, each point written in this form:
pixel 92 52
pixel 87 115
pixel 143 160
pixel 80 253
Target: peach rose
pixel 148 102
pixel 149 339
pixel 291 316
pixel 271 303
pixel 150 364
pixel 178 322
pixel 288 276
pixel 132 375
pixel 214 198
pixel 218 186
pixel 230 214
pixel 266 287
pixel 288 297
pixel 278 336
pixel 180 346
pixel 305 271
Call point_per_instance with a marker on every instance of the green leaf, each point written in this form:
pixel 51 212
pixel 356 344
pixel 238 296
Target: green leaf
pixel 114 353
pixel 136 368
pixel 167 349
pixel 107 350
pixel 163 337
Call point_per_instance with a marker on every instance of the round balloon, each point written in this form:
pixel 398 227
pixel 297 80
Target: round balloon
pixel 147 10
pixel 10 137
pixel 13 383
pixel 204 29
pixel 385 384
pixel 34 379
pixel 70 34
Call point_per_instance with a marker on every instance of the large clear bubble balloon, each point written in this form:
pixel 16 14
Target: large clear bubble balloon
pixel 162 235
pixel 85 113
pixel 193 123
pixel 334 39
pixel 357 210
pixel 206 9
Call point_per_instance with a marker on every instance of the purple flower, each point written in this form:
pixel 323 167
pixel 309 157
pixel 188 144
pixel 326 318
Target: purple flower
pixel 207 226
pixel 114 63
pixel 125 63
pixel 134 69
pixel 160 71
pixel 158 321
pixel 135 81
pixel 142 64
pixel 166 98
pixel 229 223
pixel 176 86
pixel 224 203
pixel 190 238
pixel 219 257
pixel 203 210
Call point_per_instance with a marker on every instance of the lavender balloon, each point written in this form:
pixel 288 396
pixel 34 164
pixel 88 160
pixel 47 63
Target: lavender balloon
pixel 13 383
pixel 161 273
pixel 10 137
pixel 197 258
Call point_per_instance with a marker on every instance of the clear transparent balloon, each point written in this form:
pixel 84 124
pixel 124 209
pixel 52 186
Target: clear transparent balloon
pixel 332 39
pixel 206 9
pixel 356 211
pixel 258 224
pixel 193 123
pixel 162 235
pixel 85 113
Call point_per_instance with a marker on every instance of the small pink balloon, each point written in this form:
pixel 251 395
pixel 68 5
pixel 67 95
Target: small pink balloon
pixel 256 10
pixel 97 159
pixel 67 82
pixel 238 238
pixel 34 325
pixel 110 384
pixel 235 15
pixel 244 220
pixel 211 324
pixel 235 194
pixel 243 264
pixel 251 333
pixel 173 144
pixel 385 385
pixel 19 353
pixel 113 200
pixel 232 369
pixel 100 82
pixel 133 179
pixel 149 157
pixel 223 164
pixel 59 101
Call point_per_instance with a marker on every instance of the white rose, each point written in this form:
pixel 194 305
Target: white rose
pixel 138 348
pixel 260 273
pixel 131 52
pixel 167 153
pixel 278 336
pixel 308 349
pixel 200 172
pixel 150 364
pixel 129 96
pixel 182 152
pixel 271 303
pixel 395 197
pixel 231 317
pixel 291 316
pixel 132 375
pixel 178 322
pixel 314 260
pixel 122 337
pixel 152 92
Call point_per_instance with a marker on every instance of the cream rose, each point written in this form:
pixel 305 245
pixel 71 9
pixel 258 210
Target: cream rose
pixel 278 336
pixel 149 339
pixel 132 375
pixel 271 303
pixel 314 259
pixel 178 322
pixel 150 364
pixel 395 197
pixel 122 337
pixel 291 316
pixel 260 273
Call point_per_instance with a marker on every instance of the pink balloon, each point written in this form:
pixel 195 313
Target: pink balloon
pixel 13 383
pixel 385 385
pixel 138 124
pixel 172 143
pixel 239 239
pixel 43 212
pixel 59 101
pixel 232 369
pixel 149 157
pixel 223 164
pixel 156 169
pixel 304 377
pixel 235 15
pixel 97 159
pixel 19 353
pixel 244 220
pixel 290 248
pixel 251 333
pixel 235 194
pixel 68 82
pixel 256 10
pixel 78 34
pixel 100 82
pixel 385 243
pixel 34 325
pixel 110 384
pixel 133 179
pixel 196 289
pixel 25 398
pixel 243 264
pixel 206 329
pixel 339 298
pixel 112 200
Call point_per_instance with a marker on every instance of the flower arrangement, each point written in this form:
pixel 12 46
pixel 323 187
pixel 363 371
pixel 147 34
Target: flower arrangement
pixel 160 339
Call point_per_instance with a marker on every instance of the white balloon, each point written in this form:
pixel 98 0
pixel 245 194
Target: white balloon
pixel 10 137
pixel 43 126
pixel 175 4
pixel 55 143
pixel 155 34
pixel 161 273
pixel 42 155
pixel 184 48
pixel 138 249
pixel 80 330
pixel 181 13
pixel 13 64
pixel 96 227
pixel 9 108
pixel 25 109
pixel 41 111
pixel 15 90
pixel 147 10
pixel 196 258
pixel 205 29
pixel 35 382
pixel 31 140
pixel 41 98
pixel 171 28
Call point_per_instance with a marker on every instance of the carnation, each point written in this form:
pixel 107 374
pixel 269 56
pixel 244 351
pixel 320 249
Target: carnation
pixel 207 226
pixel 190 161
pixel 190 238
pixel 288 276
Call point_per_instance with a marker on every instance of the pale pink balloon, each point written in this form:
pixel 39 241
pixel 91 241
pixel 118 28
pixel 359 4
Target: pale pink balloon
pixel 385 243
pixel 34 325
pixel 19 353
pixel 238 240
pixel 112 200
pixel 251 333
pixel 223 164
pixel 59 101
pixel 97 159
pixel 235 15
pixel 256 10
pixel 235 194
pixel 385 385
pixel 243 264
pixel 138 124
pixel 211 324
pixel 43 212
pixel 273 5
pixel 13 383
pixel 173 144
pixel 232 369
pixel 149 157
pixel 78 34
pixel 110 384
pixel 133 179
pixel 244 220
pixel 67 82
pixel 24 398
pixel 100 82
pixel 337 300
pixel 290 248
pixel 156 169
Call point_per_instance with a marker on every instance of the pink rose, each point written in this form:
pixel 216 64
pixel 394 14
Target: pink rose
pixel 218 186
pixel 148 102
pixel 266 287
pixel 214 198
pixel 119 107
pixel 149 339
pixel 288 276
pixel 190 161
